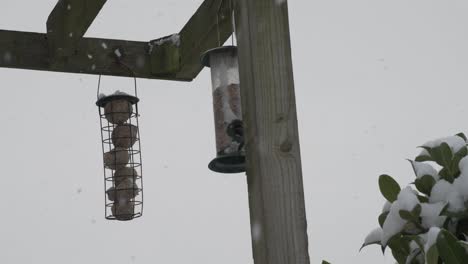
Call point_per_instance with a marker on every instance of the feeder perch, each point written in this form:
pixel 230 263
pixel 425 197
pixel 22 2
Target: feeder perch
pixel 122 156
pixel 229 129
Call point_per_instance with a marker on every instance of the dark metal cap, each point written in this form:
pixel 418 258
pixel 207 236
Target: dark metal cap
pixel 106 99
pixel 205 57
pixel 228 164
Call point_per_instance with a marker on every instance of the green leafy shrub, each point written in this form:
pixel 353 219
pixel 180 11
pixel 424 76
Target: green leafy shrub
pixel 427 221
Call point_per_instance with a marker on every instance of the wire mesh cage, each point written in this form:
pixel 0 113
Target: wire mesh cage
pixel 229 127
pixel 121 150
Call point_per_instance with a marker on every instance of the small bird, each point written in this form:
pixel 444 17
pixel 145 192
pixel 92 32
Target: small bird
pixel 235 131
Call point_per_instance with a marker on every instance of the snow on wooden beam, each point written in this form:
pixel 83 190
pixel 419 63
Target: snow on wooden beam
pixel 63 48
pixel 25 50
pixel 68 23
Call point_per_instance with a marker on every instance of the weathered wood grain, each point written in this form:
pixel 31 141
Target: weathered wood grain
pixel 211 21
pixel 26 50
pixel 276 196
pixel 58 50
pixel 68 22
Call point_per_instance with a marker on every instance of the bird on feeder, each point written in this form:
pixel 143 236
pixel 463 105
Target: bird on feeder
pixel 230 156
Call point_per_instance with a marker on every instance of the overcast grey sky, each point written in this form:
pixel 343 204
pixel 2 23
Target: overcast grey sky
pixel 374 79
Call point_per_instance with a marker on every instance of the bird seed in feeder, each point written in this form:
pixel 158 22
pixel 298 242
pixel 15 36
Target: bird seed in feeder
pixel 227 111
pixel 116 158
pixel 118 111
pixel 125 173
pixel 111 194
pixel 126 190
pixel 230 154
pixel 123 210
pixel 124 136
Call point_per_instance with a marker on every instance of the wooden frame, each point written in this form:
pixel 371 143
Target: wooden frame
pixel 274 171
pixel 64 49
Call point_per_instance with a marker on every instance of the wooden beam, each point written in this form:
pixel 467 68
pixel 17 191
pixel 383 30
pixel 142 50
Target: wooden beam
pixel 175 57
pixel 165 55
pixel 25 50
pixel 68 22
pixel 209 27
pixel 274 174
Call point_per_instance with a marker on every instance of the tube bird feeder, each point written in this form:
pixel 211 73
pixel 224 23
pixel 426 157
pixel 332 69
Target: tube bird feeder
pixel 122 156
pixel 229 128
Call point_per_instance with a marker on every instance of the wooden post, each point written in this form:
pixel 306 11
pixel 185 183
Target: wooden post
pixel 274 174
pixel 68 23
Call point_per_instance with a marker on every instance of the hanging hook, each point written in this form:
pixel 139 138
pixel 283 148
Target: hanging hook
pixel 231 9
pixel 132 73
pixel 98 86
pixel 217 29
pixel 217 22
pixel 118 54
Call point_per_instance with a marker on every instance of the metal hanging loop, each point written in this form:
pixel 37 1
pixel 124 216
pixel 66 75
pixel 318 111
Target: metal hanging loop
pixel 129 70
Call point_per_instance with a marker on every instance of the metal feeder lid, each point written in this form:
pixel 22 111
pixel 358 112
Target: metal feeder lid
pixel 106 99
pixel 205 57
pixel 228 164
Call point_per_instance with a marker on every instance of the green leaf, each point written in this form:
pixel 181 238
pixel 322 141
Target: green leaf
pixel 442 155
pixel 407 215
pixel 463 244
pixel 457 215
pixel 446 174
pixel 412 228
pixel 413 257
pixel 422 158
pixel 423 199
pixel 382 218
pixel 400 247
pixel 462 136
pixel 425 184
pixel 432 255
pixel 416 210
pixel 463 152
pixel 413 215
pixel 389 188
pixel 325 262
pixel 445 209
pixel 417 239
pixel 449 249
pixel 446 154
pixel 462 227
pixel 428 149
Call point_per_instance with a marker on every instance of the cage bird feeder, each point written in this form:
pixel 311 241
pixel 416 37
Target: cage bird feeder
pixel 121 155
pixel 229 128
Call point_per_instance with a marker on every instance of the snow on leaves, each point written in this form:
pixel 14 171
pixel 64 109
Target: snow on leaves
pixel 426 222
